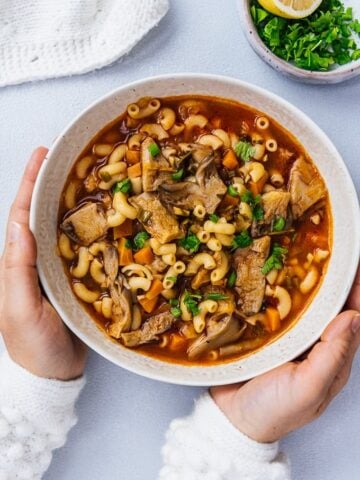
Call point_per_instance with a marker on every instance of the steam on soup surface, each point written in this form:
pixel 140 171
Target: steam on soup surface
pixel 194 229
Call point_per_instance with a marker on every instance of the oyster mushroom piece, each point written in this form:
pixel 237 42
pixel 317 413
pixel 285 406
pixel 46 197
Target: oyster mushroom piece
pixel 111 263
pixel 219 333
pixel 149 331
pixel 155 170
pixel 86 224
pixel 156 218
pixel 122 308
pixel 306 187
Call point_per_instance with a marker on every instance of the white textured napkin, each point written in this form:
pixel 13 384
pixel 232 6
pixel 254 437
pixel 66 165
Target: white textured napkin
pixel 51 38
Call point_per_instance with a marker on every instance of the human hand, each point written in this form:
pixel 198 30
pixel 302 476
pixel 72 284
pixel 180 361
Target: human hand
pixel 33 332
pixel 288 397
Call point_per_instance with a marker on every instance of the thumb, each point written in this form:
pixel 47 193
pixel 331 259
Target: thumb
pixel 338 345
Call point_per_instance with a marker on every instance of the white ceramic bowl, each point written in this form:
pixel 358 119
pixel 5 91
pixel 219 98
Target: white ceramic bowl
pixel 336 75
pixel 331 295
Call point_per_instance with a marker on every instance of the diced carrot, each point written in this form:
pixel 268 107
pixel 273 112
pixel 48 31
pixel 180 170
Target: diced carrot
pixel 177 342
pixel 148 305
pixel 230 161
pixel 125 253
pixel 229 200
pixel 273 318
pixel 144 256
pixel 135 170
pixel 123 230
pixel 132 156
pixel 257 187
pixel 155 289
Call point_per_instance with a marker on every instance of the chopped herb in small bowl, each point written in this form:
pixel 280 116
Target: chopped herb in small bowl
pixel 323 47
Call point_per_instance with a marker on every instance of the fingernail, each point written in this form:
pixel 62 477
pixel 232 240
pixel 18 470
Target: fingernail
pixel 355 324
pixel 14 231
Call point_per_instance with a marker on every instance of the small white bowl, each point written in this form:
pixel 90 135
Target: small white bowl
pixel 346 236
pixel 336 75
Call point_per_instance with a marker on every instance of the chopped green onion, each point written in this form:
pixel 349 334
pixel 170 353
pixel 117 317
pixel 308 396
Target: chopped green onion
pixel 279 224
pixel 242 240
pixel 124 186
pixel 177 176
pixel 105 176
pixel 191 243
pixel 154 149
pixel 232 191
pixel 215 296
pixel 175 312
pixel 191 302
pixel 244 150
pixel 140 239
pixel 232 279
pixel 276 259
pixel 174 302
pixel 213 217
pixel 172 279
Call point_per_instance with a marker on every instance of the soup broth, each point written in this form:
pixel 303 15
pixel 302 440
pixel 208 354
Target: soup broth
pixel 194 229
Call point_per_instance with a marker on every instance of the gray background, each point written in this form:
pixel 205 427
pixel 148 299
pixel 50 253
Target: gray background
pixel 123 417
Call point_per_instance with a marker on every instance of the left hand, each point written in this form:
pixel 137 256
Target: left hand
pixel 33 332
pixel 288 397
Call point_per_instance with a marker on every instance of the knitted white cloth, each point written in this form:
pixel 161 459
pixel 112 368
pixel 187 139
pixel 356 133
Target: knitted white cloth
pixel 35 416
pixel 206 446
pixel 48 38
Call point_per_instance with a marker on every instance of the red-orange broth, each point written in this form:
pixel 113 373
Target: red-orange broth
pixel 183 157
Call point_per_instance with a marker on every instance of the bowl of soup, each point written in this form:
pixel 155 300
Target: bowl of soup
pixel 195 229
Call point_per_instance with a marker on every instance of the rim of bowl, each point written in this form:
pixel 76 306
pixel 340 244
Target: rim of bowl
pixel 184 379
pixel 340 74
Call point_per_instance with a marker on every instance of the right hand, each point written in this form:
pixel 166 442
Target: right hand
pixel 292 395
pixel 34 334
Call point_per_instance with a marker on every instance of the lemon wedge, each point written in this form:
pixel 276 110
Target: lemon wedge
pixel 290 8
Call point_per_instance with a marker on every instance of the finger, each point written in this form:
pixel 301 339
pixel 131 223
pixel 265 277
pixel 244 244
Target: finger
pixel 21 207
pixel 338 344
pixel 353 301
pixel 19 274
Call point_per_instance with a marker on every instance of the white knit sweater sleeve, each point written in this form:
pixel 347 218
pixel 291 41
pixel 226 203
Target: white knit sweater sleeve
pixel 206 446
pixel 35 417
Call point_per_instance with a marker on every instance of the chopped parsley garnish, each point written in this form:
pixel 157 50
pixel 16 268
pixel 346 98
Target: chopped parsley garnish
pixel 213 217
pixel 154 149
pixel 232 191
pixel 248 197
pixel 242 240
pixel 215 296
pixel 279 224
pixel 191 243
pixel 128 243
pixel 124 186
pixel 232 279
pixel 177 176
pixel 258 212
pixel 140 239
pixel 191 301
pixel 175 312
pixel 276 259
pixel 244 150
pixel 316 42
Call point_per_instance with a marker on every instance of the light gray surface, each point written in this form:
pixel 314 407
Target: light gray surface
pixel 122 417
